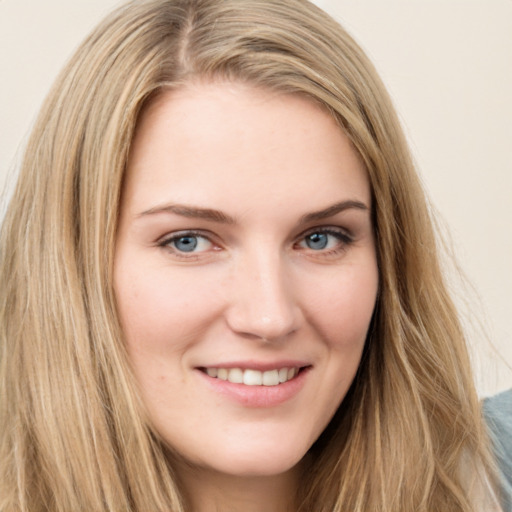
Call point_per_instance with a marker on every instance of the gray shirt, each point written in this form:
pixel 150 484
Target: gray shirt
pixel 498 414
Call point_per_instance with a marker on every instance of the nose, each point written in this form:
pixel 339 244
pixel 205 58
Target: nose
pixel 262 302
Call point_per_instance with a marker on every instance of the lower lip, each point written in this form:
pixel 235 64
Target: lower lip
pixel 257 396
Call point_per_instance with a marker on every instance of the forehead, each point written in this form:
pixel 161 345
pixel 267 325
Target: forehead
pixel 219 141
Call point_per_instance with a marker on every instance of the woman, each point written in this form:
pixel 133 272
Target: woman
pixel 221 284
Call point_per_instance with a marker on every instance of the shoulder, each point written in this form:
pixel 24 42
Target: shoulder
pixel 498 415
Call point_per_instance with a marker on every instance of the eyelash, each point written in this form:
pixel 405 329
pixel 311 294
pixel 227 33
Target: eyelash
pixel 166 243
pixel 341 235
pixel 343 238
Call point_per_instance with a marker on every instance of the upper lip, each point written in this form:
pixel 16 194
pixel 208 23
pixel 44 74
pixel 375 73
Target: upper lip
pixel 258 365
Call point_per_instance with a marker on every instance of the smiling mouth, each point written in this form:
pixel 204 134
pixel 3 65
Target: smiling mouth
pixel 254 377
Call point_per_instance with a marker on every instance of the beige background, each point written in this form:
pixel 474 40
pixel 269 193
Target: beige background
pixel 448 66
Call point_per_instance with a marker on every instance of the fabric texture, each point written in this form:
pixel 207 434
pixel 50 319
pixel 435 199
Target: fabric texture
pixel 498 414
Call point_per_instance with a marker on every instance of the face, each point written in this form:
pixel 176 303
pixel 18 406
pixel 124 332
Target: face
pixel 245 273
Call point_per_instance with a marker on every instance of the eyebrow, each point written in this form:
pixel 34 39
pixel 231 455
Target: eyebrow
pixel 194 212
pixel 330 211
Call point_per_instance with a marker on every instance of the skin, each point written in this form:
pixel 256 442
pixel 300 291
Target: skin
pixel 268 281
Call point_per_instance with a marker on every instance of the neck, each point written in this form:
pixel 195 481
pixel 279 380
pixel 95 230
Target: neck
pixel 210 491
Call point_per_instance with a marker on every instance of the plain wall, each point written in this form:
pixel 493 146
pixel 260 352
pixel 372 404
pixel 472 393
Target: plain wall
pixel 448 66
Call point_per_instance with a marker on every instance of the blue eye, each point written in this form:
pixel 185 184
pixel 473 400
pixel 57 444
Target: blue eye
pixel 187 243
pixel 325 240
pixel 317 241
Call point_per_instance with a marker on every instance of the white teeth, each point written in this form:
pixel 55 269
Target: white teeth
pixel 212 372
pixel 253 377
pixel 236 376
pixel 271 378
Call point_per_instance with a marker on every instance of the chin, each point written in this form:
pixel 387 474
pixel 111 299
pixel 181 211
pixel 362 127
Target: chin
pixel 260 467
pixel 251 461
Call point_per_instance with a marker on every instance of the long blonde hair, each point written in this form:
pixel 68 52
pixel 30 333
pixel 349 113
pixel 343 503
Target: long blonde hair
pixel 74 436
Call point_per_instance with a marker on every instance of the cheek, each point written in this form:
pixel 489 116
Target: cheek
pixel 162 310
pixel 343 307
